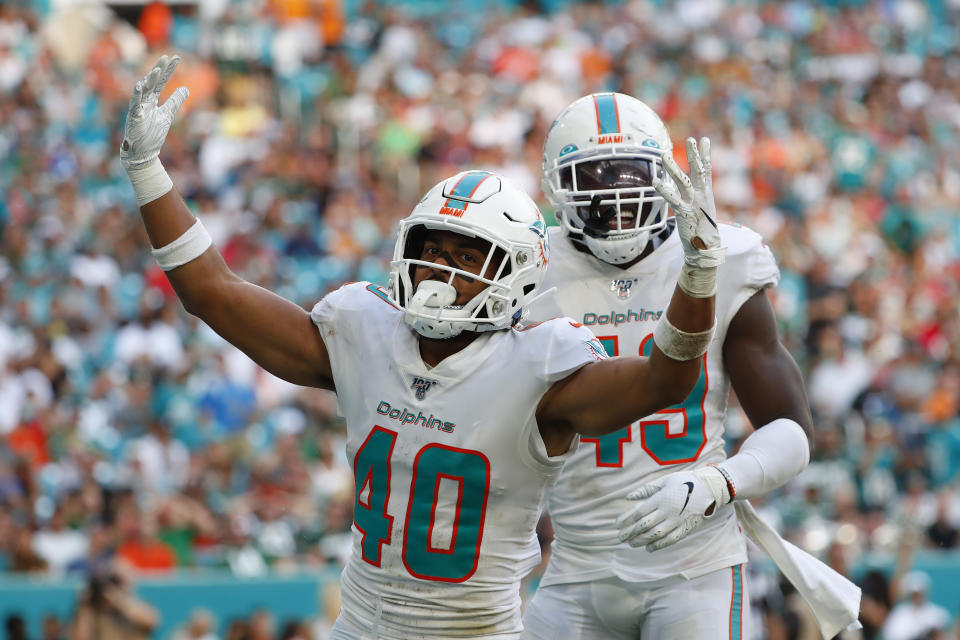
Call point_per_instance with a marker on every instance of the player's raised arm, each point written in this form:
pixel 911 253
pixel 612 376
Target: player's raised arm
pixel 771 392
pixel 603 397
pixel 274 332
pixel 774 397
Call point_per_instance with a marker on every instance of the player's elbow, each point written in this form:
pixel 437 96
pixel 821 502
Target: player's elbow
pixel 204 304
pixel 679 392
pixel 672 380
pixel 203 285
pixel 678 382
pixel 202 296
pixel 807 427
pixel 682 380
pixel 193 307
pixel 193 302
pixel 797 411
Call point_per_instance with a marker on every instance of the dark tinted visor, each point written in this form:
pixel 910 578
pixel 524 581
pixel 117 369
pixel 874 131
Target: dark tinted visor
pixel 610 173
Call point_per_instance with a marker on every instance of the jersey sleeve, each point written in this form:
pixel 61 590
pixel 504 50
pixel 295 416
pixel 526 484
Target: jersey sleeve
pixel 347 319
pixel 570 347
pixel 559 348
pixel 324 313
pixel 751 267
pixel 327 315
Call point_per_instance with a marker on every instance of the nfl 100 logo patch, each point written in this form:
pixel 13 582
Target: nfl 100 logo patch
pixel 421 386
pixel 623 287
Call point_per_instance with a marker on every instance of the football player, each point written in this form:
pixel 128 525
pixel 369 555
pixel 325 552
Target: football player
pixel 663 484
pixel 458 416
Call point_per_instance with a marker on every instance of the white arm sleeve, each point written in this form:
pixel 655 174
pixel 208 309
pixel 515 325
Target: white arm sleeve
pixel 768 458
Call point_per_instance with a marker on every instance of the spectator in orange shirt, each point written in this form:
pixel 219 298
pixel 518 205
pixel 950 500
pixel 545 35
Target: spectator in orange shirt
pixel 29 440
pixel 141 547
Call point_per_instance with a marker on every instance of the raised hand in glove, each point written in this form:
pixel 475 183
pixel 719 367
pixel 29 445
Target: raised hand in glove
pixel 691 198
pixel 669 508
pixel 146 128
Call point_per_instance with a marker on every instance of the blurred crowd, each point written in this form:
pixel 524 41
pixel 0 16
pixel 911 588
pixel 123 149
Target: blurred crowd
pixel 133 434
pixel 135 620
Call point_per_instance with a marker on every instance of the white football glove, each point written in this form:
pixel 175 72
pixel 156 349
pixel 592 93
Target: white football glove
pixel 669 508
pixel 147 121
pixel 691 198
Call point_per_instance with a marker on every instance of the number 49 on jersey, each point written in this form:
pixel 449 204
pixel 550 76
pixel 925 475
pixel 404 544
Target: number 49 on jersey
pixel 662 445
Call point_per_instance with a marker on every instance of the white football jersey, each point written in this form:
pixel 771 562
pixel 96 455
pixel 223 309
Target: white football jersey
pixel 449 465
pixel 622 306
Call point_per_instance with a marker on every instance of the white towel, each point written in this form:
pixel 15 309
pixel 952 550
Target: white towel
pixel 834 600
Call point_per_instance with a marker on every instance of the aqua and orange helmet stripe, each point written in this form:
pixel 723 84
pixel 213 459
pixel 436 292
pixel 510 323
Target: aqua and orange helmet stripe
pixel 608 116
pixel 466 186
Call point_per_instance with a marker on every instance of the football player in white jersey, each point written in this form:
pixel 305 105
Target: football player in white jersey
pixel 458 416
pixel 655 483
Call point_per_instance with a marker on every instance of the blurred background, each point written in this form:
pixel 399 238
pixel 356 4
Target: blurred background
pixel 154 483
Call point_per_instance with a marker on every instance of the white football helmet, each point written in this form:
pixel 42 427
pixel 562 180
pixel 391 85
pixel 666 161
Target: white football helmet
pixel 482 205
pixel 598 160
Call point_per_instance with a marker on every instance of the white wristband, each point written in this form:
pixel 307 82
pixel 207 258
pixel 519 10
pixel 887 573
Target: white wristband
pixel 149 181
pixel 768 458
pixel 680 345
pixel 716 483
pixel 187 247
pixel 698 282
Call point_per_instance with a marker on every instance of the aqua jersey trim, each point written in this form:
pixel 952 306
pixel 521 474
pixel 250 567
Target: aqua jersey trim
pixel 378 291
pixel 736 603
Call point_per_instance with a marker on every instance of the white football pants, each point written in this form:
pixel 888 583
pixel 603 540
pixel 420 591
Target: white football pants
pixel 712 607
